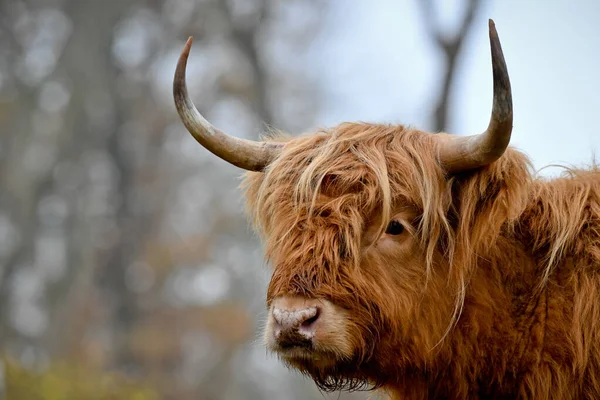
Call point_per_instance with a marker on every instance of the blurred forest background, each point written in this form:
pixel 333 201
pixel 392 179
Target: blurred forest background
pixel 127 267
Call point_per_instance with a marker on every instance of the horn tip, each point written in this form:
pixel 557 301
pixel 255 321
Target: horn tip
pixel 183 57
pixel 179 85
pixel 492 27
pixel 188 45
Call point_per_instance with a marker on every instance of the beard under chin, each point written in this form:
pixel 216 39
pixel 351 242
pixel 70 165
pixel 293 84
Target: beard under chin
pixel 347 375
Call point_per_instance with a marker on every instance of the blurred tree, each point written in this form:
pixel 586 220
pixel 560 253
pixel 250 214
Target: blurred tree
pixel 123 247
pixel 450 46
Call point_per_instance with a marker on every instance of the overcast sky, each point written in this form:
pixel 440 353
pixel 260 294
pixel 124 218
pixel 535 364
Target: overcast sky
pixel 376 64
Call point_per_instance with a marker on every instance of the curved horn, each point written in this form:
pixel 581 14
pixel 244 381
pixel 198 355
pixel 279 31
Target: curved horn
pixel 469 152
pixel 246 154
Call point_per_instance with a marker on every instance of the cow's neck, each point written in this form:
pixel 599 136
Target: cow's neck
pixel 502 330
pixel 521 318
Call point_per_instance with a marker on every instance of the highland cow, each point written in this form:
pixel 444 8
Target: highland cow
pixel 426 265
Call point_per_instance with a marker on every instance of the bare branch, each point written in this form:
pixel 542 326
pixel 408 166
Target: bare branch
pixel 451 47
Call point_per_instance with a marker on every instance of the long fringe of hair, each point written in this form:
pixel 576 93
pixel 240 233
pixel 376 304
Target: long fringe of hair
pixel 462 217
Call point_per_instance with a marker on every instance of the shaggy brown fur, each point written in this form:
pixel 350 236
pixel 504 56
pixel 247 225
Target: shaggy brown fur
pixel 491 292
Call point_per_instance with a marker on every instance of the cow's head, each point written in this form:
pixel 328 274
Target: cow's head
pixel 356 224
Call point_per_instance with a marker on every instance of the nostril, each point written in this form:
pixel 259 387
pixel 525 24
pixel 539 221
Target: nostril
pixel 307 323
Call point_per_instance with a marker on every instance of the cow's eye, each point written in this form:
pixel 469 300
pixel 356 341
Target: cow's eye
pixel 394 228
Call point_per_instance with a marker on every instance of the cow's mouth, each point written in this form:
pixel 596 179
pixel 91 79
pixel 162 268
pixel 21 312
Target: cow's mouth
pixel 296 352
pixel 307 357
pixel 297 347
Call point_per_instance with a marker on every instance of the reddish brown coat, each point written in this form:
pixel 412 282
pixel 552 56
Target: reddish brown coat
pixel 491 292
